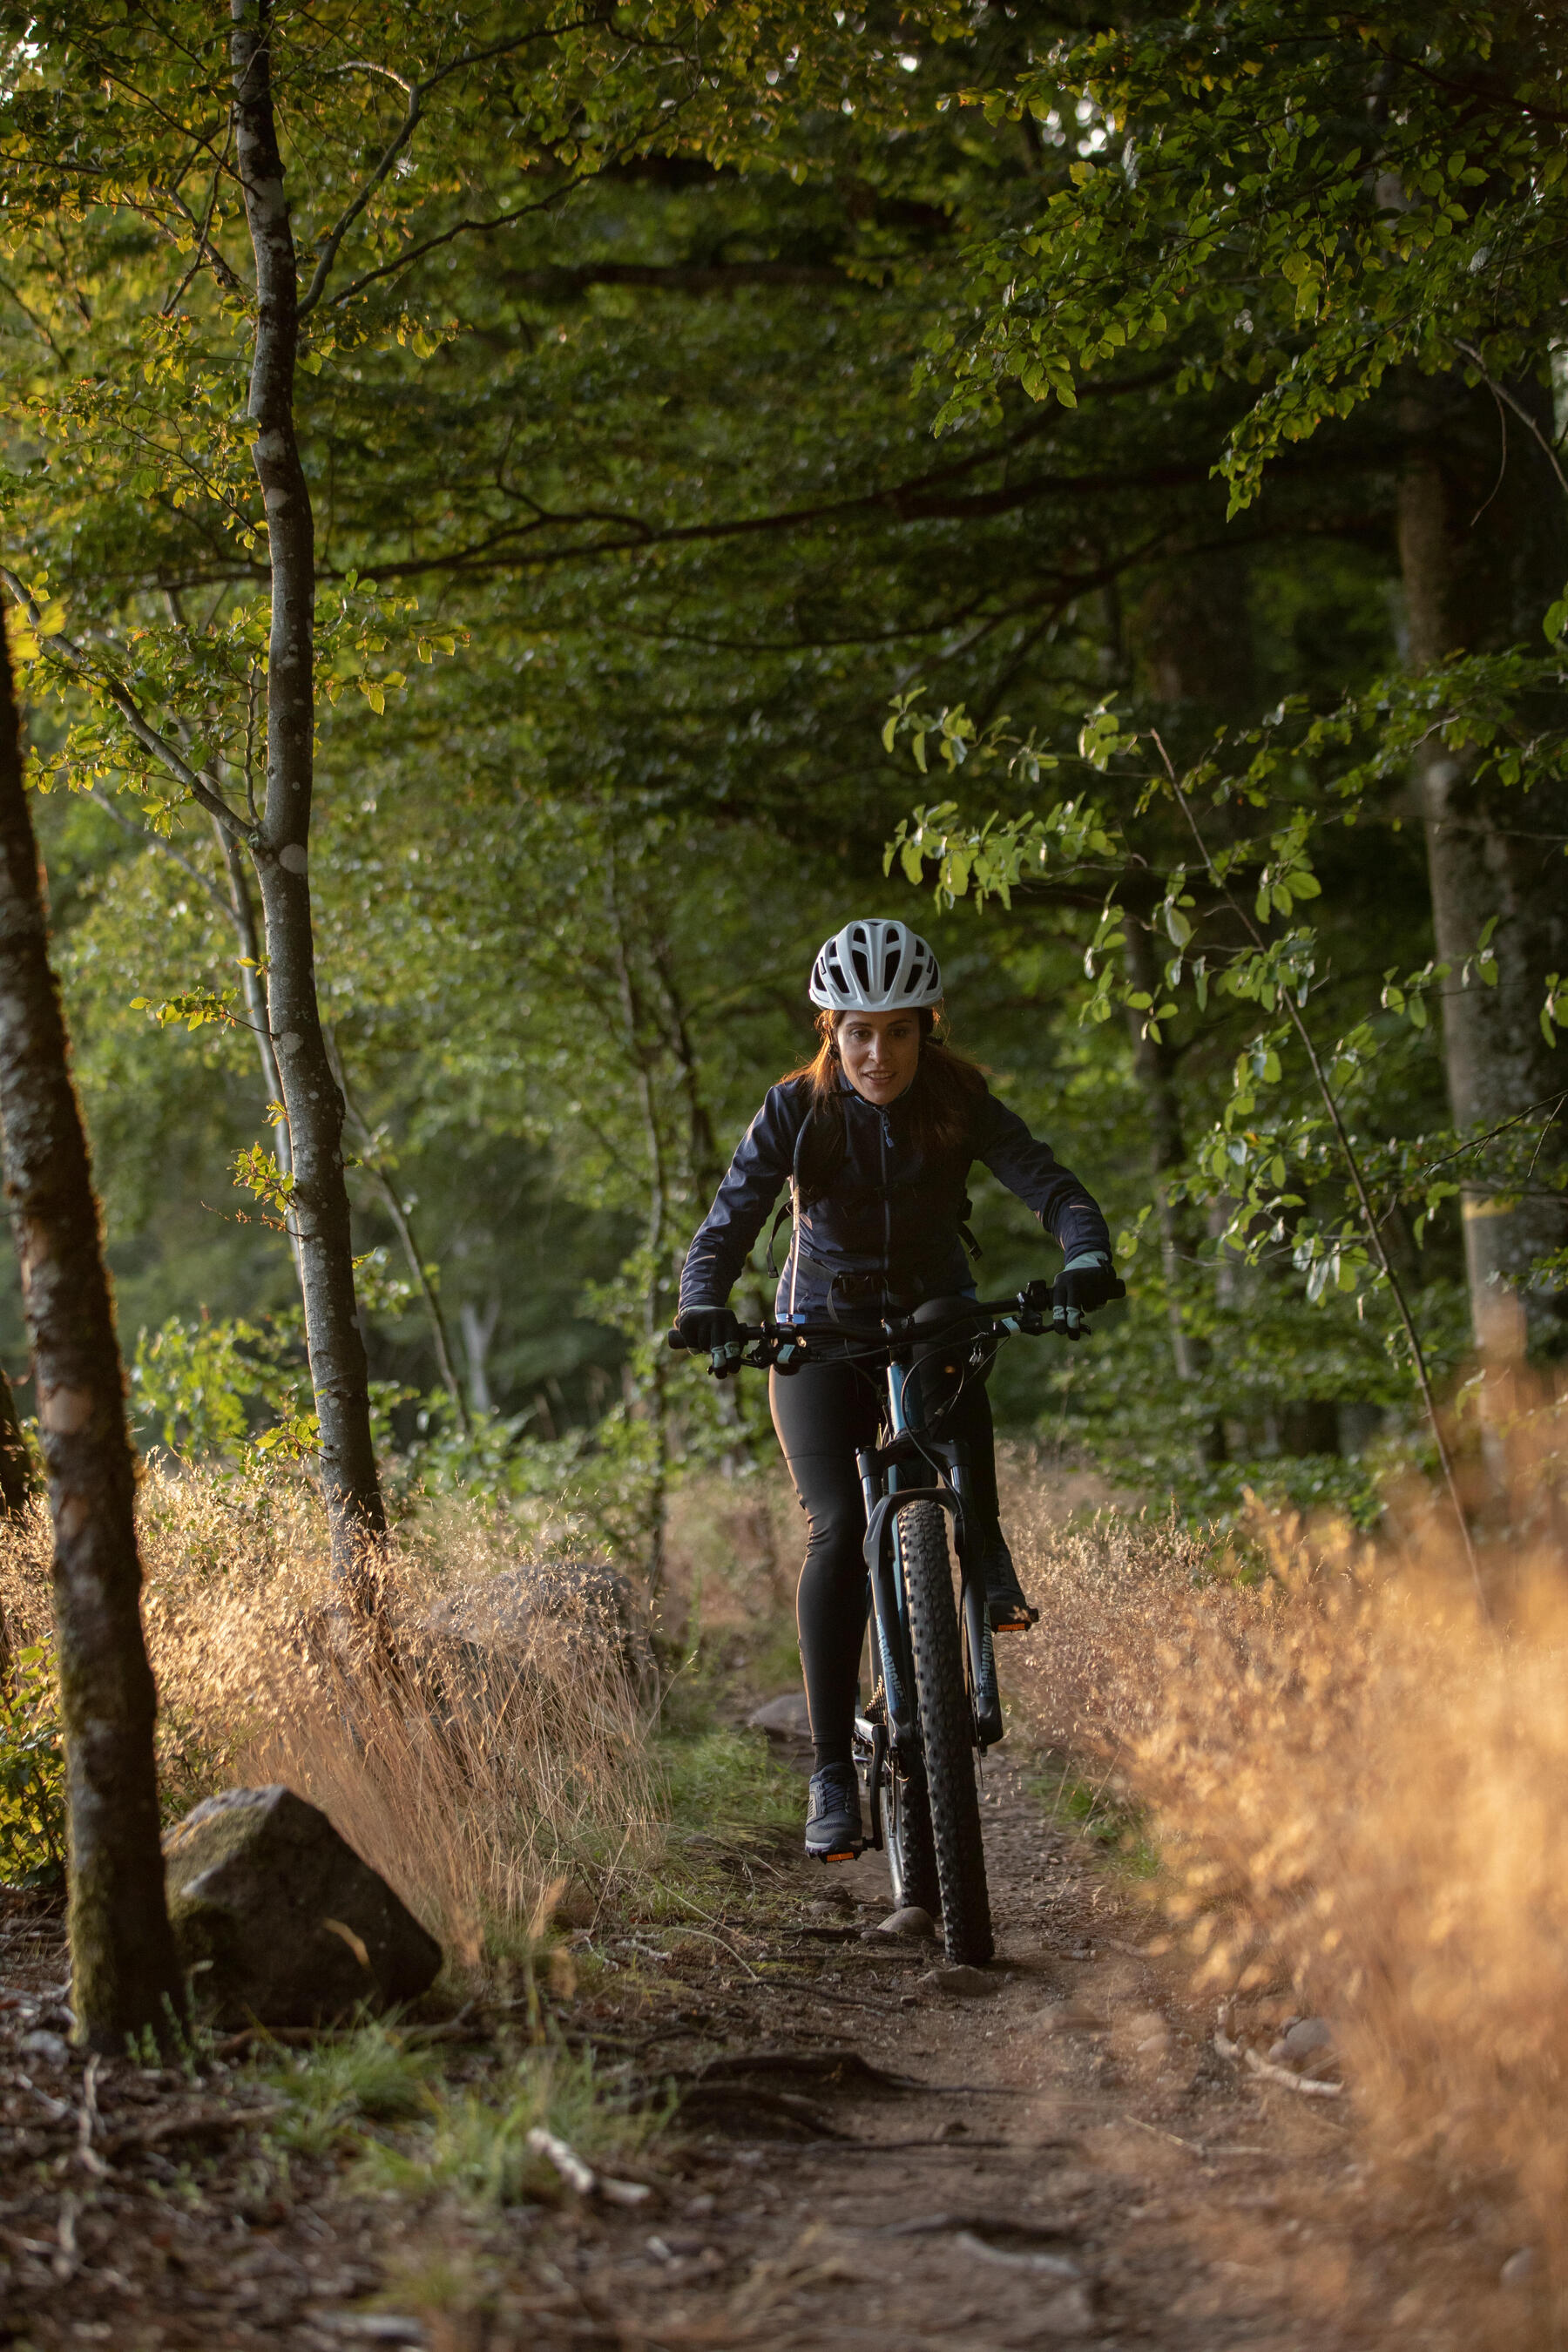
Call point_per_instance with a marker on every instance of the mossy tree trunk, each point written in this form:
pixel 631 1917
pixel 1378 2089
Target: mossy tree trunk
pixel 124 1974
pixel 1483 537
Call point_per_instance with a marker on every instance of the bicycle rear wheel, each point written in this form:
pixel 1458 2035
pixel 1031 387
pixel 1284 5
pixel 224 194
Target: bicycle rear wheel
pixel 946 1735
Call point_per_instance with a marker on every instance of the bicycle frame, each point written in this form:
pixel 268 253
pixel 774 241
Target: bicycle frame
pixel 894 1477
pixel 911 1468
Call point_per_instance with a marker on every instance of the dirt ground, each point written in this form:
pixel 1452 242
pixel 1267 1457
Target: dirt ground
pixel 862 2157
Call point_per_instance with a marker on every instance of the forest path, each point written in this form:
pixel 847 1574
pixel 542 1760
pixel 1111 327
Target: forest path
pixel 1080 2165
pixel 1083 2168
pixel 1083 2165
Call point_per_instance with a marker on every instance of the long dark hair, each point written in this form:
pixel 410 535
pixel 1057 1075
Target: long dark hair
pixel 936 1102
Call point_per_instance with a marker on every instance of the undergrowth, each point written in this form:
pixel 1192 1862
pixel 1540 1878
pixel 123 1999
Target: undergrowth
pixel 1350 1766
pixel 397 2123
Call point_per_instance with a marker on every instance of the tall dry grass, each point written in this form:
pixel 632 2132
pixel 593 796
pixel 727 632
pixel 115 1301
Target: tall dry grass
pixel 1357 1778
pixel 483 1761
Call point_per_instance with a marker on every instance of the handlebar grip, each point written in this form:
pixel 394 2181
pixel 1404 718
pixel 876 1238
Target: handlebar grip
pixel 673 1340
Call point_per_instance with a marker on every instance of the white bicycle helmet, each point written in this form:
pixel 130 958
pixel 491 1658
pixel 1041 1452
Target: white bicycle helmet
pixel 875 967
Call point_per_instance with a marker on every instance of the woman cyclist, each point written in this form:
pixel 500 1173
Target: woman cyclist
pixel 874 1138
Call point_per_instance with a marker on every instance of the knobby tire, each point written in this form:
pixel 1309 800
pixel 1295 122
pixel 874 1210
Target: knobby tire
pixel 946 1735
pixel 907 1831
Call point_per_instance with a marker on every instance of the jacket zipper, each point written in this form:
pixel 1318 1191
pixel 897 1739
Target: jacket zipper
pixel 887 1204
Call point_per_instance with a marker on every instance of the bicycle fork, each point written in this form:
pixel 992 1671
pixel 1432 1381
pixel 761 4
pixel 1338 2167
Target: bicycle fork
pixel 897 1723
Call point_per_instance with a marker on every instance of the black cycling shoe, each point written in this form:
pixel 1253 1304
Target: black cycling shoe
pixel 833 1832
pixel 1006 1602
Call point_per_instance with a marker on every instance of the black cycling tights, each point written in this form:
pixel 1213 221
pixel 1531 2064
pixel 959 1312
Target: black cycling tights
pixel 823 1413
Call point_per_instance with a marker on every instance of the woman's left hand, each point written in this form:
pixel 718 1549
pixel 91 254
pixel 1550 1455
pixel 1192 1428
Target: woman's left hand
pixel 1084 1283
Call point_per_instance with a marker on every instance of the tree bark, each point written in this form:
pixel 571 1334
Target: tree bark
pixel 125 1975
pixel 1483 537
pixel 656 1396
pixel 1155 1066
pixel 338 1369
pixel 258 1012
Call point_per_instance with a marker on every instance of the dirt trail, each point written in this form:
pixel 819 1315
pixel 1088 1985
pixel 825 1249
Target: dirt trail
pixel 1080 2166
pixel 1084 2166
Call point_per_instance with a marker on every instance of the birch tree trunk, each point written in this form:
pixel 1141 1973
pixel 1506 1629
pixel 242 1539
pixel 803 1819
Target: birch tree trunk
pixel 1483 540
pixel 124 1973
pixel 338 1370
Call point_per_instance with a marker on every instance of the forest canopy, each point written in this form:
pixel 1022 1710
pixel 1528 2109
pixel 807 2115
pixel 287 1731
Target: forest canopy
pixel 520 520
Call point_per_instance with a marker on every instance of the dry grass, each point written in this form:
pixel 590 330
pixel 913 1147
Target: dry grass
pixel 1357 1780
pixel 482 1767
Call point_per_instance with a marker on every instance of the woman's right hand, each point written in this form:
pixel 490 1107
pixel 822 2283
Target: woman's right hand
pixel 704 1329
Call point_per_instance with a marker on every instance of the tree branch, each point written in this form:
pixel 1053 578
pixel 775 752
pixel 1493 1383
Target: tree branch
pixel 329 244
pixel 124 701
pixel 1500 392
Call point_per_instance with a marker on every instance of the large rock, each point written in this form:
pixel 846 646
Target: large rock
pixel 784 1717
pixel 578 1604
pixel 284 1923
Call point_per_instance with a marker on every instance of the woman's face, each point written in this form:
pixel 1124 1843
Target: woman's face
pixel 881 1053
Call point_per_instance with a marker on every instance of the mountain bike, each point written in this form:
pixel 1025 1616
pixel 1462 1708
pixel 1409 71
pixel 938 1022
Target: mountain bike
pixel 935 1706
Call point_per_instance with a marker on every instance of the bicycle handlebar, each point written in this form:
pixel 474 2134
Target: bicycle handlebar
pixel 1028 1310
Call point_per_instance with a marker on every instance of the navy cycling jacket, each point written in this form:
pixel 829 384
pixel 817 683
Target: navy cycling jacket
pixel 890 1216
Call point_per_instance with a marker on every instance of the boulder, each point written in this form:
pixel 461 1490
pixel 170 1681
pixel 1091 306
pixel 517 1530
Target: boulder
pixel 784 1717
pixel 584 1602
pixel 283 1921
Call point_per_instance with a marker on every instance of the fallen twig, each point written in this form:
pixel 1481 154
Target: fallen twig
pixel 1268 2072
pixel 87 2123
pixel 207 2124
pixel 582 2177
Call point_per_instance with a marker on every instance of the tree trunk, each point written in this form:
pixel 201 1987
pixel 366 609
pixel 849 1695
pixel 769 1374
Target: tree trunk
pixel 259 1012
pixel 1156 1071
pixel 656 1395
pixel 125 1977
pixel 15 1469
pixel 338 1369
pixel 1483 551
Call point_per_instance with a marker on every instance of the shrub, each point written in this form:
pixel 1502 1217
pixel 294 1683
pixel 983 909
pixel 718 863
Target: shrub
pixel 32 1774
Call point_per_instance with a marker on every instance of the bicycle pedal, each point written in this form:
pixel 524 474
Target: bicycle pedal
pixel 843 1853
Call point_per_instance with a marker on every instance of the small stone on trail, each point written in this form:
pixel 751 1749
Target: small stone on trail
pixel 1520 2266
pixel 1067 2314
pixel 963 1983
pixel 784 1717
pixel 1302 2041
pixel 283 1922
pixel 909 1921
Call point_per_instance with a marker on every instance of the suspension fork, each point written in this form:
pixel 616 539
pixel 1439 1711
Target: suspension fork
pixel 890 1604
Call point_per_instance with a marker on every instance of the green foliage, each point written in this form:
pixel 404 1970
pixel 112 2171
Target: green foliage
pixel 727 1784
pixel 228 1388
pixel 650 459
pixel 1285 1156
pixel 32 1774
pixel 1299 199
pixel 474 2142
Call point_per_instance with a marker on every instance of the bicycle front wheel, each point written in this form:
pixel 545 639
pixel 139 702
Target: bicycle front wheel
pixel 946 1735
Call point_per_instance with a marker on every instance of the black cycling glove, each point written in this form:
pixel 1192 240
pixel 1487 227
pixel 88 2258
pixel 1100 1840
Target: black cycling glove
pixel 713 1331
pixel 1085 1282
